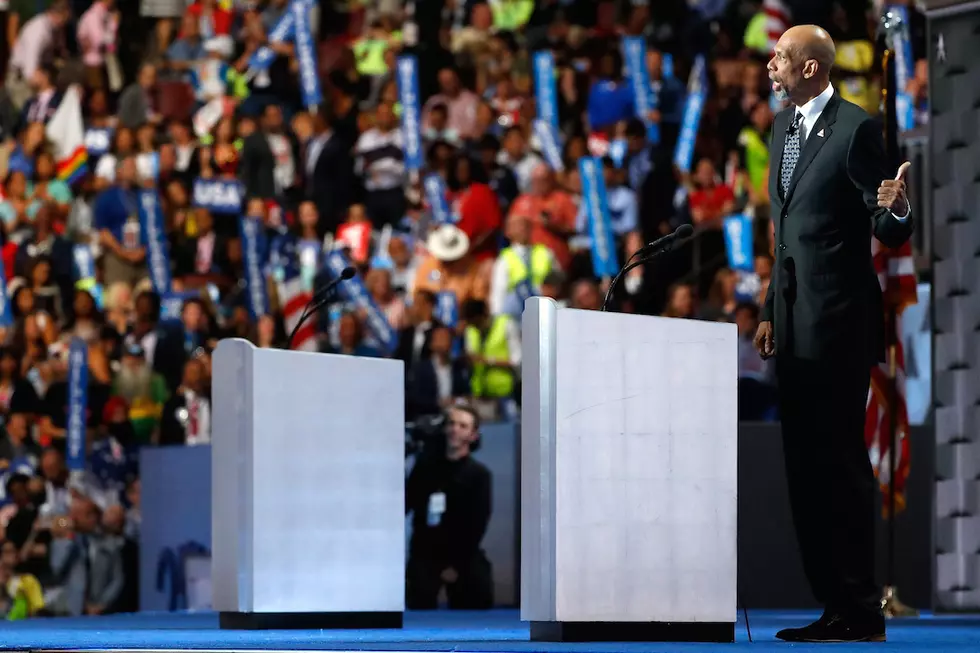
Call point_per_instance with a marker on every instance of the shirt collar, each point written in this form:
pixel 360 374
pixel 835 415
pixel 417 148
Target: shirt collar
pixel 812 109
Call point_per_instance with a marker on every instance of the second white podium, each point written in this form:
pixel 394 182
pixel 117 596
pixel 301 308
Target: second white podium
pixel 308 489
pixel 629 476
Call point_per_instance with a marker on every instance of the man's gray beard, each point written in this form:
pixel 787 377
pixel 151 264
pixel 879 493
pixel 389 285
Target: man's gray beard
pixel 781 95
pixel 131 384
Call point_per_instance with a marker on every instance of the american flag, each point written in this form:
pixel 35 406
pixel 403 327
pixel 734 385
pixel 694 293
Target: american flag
pixel 777 20
pixel 294 297
pixel 896 274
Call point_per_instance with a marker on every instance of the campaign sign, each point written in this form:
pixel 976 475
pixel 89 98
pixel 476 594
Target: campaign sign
pixel 435 195
pixel 255 280
pixel 306 54
pixel 697 93
pixel 157 256
pixel 738 242
pixel 219 196
pixel 77 417
pixel 6 311
pixel 355 292
pixel 604 260
pixel 447 309
pixel 407 78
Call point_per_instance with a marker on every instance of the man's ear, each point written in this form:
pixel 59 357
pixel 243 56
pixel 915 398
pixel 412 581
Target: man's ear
pixel 810 68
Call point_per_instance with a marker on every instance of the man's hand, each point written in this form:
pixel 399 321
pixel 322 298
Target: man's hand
pixel 764 342
pixel 891 192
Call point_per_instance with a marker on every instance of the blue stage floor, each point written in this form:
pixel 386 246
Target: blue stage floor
pixel 499 631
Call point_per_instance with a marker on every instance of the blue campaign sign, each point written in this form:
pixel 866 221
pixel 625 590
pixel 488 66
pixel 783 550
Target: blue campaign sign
pixel 548 138
pixel 435 195
pixel 738 242
pixel 157 254
pixel 644 98
pixel 220 196
pixel 77 418
pixel 546 88
pixel 357 294
pixel 447 309
pixel 306 54
pixel 604 260
pixel 407 78
pixel 697 89
pixel 98 141
pixel 172 303
pixel 284 31
pixel 252 236
pixel 84 262
pixel 904 69
pixel 6 311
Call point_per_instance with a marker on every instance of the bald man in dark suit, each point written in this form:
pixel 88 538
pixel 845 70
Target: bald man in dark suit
pixel 823 322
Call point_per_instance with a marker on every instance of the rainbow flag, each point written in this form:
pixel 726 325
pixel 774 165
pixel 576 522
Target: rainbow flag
pixel 66 131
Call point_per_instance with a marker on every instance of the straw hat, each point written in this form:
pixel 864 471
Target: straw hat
pixel 448 243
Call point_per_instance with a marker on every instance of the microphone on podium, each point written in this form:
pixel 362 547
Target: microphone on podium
pixel 666 243
pixel 321 297
pixel 323 294
pixel 650 251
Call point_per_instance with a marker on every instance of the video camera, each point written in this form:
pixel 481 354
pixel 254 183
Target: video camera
pixel 425 433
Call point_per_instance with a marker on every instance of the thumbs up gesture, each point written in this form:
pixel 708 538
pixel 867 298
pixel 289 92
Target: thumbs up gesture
pixel 891 192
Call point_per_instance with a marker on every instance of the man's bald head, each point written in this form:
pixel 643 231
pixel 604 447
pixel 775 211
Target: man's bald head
pixel 812 42
pixel 801 64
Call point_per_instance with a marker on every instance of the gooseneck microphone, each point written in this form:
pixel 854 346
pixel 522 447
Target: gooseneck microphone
pixel 648 252
pixel 666 243
pixel 321 297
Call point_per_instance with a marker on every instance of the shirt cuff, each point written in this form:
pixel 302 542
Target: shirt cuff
pixel 908 212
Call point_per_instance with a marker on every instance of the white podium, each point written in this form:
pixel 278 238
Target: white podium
pixel 308 489
pixel 628 478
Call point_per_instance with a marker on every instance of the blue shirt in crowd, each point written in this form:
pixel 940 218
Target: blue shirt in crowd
pixel 609 103
pixel 113 208
pixel 622 212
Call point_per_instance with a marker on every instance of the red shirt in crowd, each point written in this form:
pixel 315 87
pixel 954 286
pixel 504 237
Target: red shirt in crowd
pixel 479 218
pixel 220 19
pixel 709 204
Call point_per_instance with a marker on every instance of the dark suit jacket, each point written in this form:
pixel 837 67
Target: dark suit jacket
pixel 422 391
pixel 25 113
pixel 824 300
pixel 258 166
pixel 332 184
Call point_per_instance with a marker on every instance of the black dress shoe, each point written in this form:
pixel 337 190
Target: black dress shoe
pixel 795 634
pixel 838 628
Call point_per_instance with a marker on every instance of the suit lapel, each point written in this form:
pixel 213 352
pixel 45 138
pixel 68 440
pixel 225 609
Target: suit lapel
pixel 815 140
pixel 776 161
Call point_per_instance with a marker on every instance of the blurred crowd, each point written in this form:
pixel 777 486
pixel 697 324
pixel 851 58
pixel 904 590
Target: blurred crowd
pixel 171 102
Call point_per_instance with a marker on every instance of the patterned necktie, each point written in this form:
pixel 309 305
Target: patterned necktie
pixel 791 153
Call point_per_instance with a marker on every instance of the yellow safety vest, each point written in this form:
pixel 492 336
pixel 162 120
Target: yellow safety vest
pixel 517 267
pixel 487 381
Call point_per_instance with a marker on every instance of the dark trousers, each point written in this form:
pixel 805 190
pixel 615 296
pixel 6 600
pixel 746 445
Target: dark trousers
pixel 472 590
pixel 830 479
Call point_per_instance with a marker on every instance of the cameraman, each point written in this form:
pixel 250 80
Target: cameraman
pixel 448 493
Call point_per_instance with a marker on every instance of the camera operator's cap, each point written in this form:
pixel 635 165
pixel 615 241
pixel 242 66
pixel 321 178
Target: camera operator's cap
pixel 448 243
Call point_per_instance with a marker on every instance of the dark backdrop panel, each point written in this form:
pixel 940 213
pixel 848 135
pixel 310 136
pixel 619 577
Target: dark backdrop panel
pixel 770 574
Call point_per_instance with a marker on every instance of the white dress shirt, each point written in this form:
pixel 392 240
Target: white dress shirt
pixel 811 112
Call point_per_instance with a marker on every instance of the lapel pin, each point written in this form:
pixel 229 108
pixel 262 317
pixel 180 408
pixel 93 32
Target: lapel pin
pixel 820 133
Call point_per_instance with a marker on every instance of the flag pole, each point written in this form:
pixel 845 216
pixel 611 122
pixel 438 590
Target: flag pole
pixel 890 603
